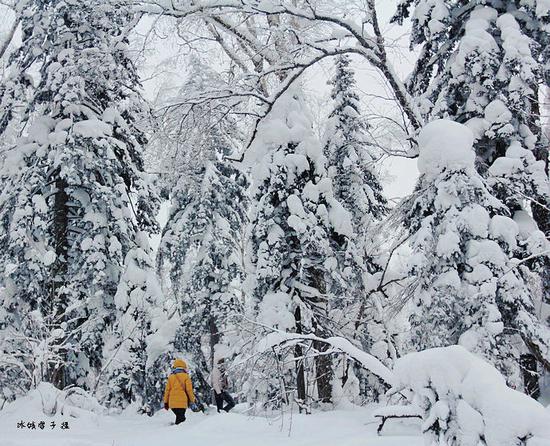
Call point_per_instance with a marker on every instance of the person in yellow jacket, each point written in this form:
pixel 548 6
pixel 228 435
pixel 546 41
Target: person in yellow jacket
pixel 178 394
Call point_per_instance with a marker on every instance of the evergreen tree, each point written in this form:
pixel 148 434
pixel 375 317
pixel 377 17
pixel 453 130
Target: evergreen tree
pixel 200 250
pixel 351 160
pixel 139 313
pixel 297 222
pixel 74 194
pixel 467 287
pixel 351 157
pixel 200 256
pixel 481 64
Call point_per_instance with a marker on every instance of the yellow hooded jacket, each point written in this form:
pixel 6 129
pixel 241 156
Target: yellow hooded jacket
pixel 179 389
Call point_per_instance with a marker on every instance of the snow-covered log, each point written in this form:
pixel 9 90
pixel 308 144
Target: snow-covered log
pixel 390 412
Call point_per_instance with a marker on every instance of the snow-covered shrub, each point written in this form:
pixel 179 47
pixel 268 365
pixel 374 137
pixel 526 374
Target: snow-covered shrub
pixel 76 402
pixel 464 401
pixel 72 402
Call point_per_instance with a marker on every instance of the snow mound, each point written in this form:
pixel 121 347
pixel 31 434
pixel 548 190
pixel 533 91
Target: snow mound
pixel 45 398
pixel 466 401
pixel 445 145
pixel 92 128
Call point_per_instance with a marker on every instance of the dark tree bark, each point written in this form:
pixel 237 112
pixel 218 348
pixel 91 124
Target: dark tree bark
pixel 530 375
pixel 58 300
pixel 541 215
pixel 214 338
pixel 323 363
pixel 323 372
pixel 299 353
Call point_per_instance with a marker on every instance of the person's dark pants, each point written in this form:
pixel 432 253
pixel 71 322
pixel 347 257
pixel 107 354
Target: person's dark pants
pixel 180 415
pixel 224 397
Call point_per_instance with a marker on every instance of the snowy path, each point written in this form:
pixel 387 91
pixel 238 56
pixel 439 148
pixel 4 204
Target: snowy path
pixel 342 427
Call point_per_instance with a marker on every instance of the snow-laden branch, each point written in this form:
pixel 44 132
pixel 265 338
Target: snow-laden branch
pixel 279 338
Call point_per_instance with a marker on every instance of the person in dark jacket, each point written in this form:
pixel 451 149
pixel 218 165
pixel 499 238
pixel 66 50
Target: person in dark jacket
pixel 220 385
pixel 178 394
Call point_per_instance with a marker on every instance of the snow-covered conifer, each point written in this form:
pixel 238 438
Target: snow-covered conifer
pixel 200 253
pixel 467 286
pixel 350 156
pixel 74 194
pixel 481 64
pixel 201 259
pixel 297 223
pixel 139 306
pixel 352 167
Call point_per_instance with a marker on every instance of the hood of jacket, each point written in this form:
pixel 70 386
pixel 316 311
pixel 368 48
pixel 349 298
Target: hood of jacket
pixel 179 364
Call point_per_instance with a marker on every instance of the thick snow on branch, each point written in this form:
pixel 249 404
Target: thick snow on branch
pixel 368 361
pixel 445 145
pixel 73 402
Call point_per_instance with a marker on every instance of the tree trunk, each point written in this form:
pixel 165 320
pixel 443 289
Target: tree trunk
pixel 541 214
pixel 530 375
pixel 214 338
pixel 323 373
pixel 58 300
pixel 299 353
pixel 323 362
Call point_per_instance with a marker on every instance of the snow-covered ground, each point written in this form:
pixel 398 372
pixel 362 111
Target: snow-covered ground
pixel 460 398
pixel 349 427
